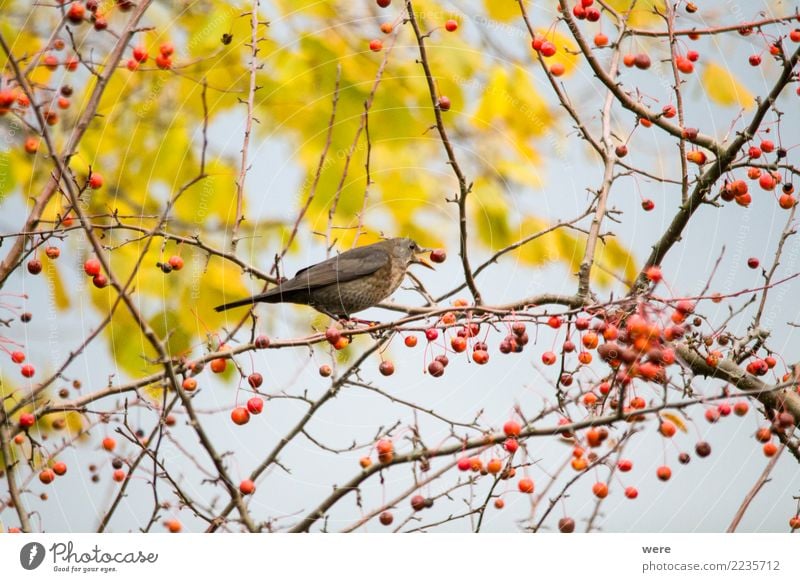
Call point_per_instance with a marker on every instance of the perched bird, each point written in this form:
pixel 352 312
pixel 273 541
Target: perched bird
pixel 350 282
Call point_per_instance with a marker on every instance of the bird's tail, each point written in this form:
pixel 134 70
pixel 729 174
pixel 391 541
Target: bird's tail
pixel 265 297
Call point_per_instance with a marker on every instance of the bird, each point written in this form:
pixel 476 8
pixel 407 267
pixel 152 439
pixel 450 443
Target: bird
pixel 350 282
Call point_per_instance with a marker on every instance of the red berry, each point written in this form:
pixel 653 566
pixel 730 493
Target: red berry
pixel 770 449
pixel 653 273
pixel 787 201
pixel 332 335
pixel 34 266
pixel 548 358
pixel 512 428
pixel 767 181
pixel 741 408
pixel 459 344
pixel 385 449
pixel 600 490
pixel 548 49
pixel 525 485
pixel 384 3
pixel 386 368
pixel 664 473
pixel 47 476
pixel 754 60
pixel 255 379
pixel 641 61
pixel 240 415
pixel 667 428
pixel 27 370
pixel 684 65
pixel 795 35
pixel 255 405
pixel 176 263
pixel 26 420
pixel 494 466
pixel 625 465
pixel 376 45
pixel 118 475
pixel 431 334
pixel 247 487
pixel 92 267
pixel 648 205
pixel 566 525
pixel 703 449
pixel 386 518
pixel 219 365
pixel 511 445
pixel 464 464
pixel 109 444
pixel 95 181
pixel 100 281
pixel 444 103
pixel 753 262
pixel 166 49
pixel 436 368
pixel 59 468
pixel 438 256
pixel 451 25
pixel 17 357
pixel 325 370
pixel 410 341
pixel 76 12
pixel 189 384
pixel 600 39
pixel 140 54
pixel 163 62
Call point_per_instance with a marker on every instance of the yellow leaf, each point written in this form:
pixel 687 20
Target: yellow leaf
pixel 60 296
pixel 723 88
pixel 644 13
pixel 7 180
pixel 502 10
pixel 675 419
pixel 616 259
pixel 490 212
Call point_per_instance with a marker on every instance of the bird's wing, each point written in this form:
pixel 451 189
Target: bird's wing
pixel 350 265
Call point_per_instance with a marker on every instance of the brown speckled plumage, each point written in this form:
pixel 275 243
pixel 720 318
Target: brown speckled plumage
pixel 350 282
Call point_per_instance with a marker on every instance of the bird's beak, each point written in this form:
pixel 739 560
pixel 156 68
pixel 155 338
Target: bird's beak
pixel 423 261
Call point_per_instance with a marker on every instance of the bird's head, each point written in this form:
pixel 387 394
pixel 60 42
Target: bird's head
pixel 409 251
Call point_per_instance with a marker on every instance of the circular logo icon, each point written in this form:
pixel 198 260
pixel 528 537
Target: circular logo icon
pixel 31 555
